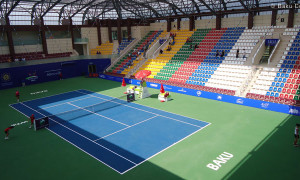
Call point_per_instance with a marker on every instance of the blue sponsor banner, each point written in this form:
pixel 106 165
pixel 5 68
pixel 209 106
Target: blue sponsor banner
pixel 33 74
pixel 215 96
pixel 271 42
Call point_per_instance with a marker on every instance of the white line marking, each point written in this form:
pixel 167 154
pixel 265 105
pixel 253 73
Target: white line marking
pixel 116 132
pixel 145 111
pixel 125 128
pixel 83 150
pixel 81 135
pixel 64 103
pixel 98 114
pixel 165 149
pixel 148 106
pixel 51 96
pixel 18 110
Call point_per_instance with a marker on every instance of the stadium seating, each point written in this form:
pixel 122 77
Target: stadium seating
pixel 124 43
pixel 281 84
pixel 104 49
pixel 123 66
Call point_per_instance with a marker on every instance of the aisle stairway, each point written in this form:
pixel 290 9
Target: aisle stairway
pixel 123 66
pixel 281 84
pixel 157 66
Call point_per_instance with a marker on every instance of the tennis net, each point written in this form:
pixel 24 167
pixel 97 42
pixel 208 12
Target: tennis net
pixel 88 110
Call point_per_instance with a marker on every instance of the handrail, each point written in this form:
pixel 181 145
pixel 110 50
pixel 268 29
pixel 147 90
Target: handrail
pixel 273 51
pixel 161 46
pixel 133 43
pixel 152 47
pixel 155 45
pixel 136 67
pixel 257 51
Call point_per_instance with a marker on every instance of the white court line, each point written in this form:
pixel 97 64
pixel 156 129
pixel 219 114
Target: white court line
pixel 146 106
pixel 109 149
pixel 51 96
pixel 164 149
pixel 98 114
pixel 18 110
pixel 147 111
pixel 81 135
pixel 83 150
pixel 125 128
pixel 64 103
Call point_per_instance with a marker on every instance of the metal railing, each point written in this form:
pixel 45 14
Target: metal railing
pixel 124 52
pixel 136 67
pixel 155 54
pixel 273 51
pixel 253 58
pixel 155 46
pixel 81 40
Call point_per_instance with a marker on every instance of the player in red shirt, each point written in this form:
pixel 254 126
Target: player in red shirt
pixel 296 135
pixel 60 76
pixel 6 131
pixel 18 95
pixel 32 120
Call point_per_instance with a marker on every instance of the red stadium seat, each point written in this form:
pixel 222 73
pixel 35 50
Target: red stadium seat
pixel 286 96
pixel 283 90
pixel 288 91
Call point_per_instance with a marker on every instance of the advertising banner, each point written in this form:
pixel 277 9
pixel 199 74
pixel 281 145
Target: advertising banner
pixel 218 97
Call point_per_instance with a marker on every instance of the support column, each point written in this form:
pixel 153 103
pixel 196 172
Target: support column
pixel 250 20
pixel 178 23
pixel 72 33
pixel 99 32
pixel 218 21
pixel 191 23
pixel 129 28
pixel 274 17
pixel 109 30
pixel 10 39
pixel 43 36
pixel 168 25
pixel 119 30
pixel 290 23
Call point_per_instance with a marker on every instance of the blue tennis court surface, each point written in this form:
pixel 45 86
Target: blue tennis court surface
pixel 119 134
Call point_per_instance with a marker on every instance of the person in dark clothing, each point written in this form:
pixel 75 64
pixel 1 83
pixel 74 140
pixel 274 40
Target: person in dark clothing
pixel 217 53
pixel 223 53
pixel 191 46
pixel 196 46
pixel 237 53
pixel 161 51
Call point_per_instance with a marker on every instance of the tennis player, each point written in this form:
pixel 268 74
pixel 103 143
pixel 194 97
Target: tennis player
pixel 6 131
pixel 32 120
pixel 18 96
pixel 296 135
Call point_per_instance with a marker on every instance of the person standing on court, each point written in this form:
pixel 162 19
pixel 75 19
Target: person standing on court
pixel 6 131
pixel 296 135
pixel 18 95
pixel 31 120
pixel 60 76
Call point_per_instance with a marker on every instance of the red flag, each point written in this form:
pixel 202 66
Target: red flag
pixel 123 82
pixel 162 90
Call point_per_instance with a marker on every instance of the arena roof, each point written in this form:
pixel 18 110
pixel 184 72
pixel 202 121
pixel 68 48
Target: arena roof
pixel 53 11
